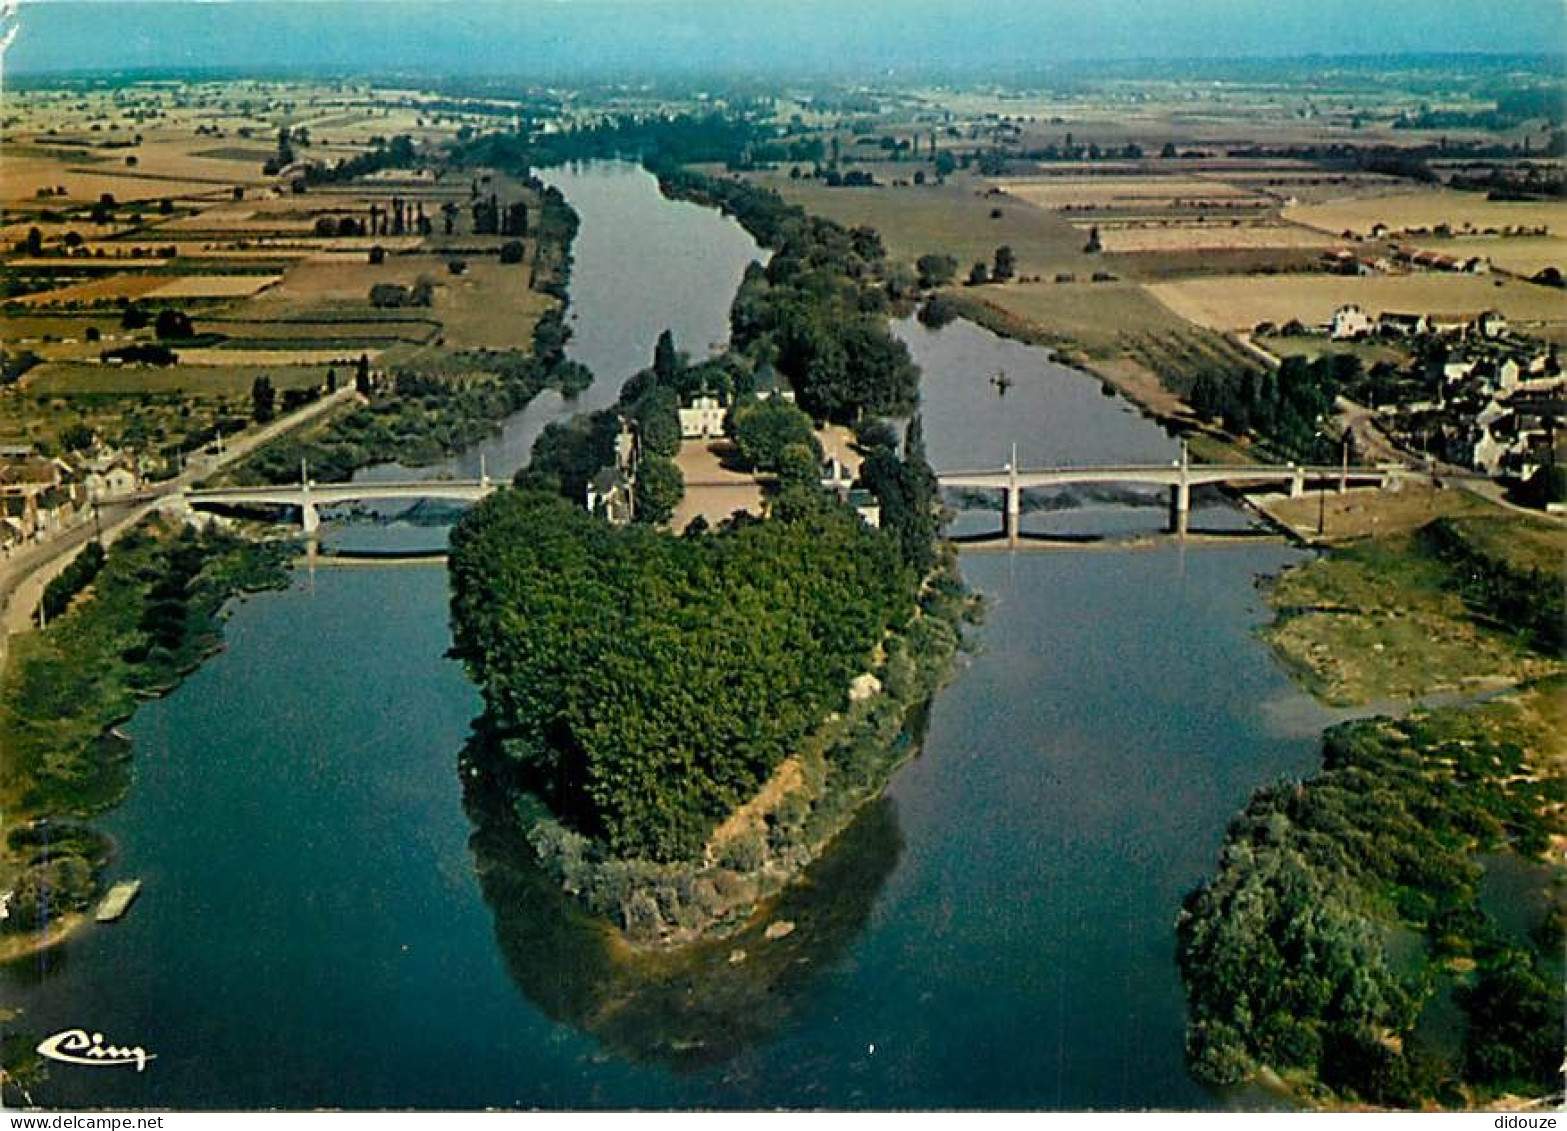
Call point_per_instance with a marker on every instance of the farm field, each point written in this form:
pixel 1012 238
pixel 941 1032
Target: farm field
pixel 1521 255
pixel 1427 208
pixel 63 378
pixel 954 219
pixel 1241 302
pixel 96 290
pixel 1176 236
pixel 490 306
pixel 1056 192
pixel 212 286
pixel 1093 316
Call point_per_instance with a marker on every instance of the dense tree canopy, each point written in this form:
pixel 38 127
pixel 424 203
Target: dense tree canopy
pixel 648 684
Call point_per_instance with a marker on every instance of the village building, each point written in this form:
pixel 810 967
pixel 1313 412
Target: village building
pixel 1351 323
pixel 1394 325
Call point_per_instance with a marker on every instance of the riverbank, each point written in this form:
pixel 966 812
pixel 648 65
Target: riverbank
pixel 766 843
pixel 1448 593
pixel 150 617
pixel 1409 983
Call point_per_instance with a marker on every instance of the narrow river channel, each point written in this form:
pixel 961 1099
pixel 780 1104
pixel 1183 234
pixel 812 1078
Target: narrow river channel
pixel 327 920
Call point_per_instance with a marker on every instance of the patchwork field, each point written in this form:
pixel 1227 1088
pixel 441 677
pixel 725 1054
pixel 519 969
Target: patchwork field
pixel 1240 303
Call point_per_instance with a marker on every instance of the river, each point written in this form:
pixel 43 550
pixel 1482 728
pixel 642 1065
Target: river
pixel 327 919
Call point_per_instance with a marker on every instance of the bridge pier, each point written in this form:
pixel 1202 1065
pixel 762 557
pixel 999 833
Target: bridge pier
pixel 1011 524
pixel 309 519
pixel 1297 483
pixel 1181 495
pixel 1180 508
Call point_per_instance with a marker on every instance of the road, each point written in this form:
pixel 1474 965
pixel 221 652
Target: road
pixel 26 572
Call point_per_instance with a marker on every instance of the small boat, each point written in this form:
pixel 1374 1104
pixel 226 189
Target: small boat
pixel 1002 382
pixel 118 901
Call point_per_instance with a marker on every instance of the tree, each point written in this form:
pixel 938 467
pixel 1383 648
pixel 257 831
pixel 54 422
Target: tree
pixel 1094 244
pixel 35 241
pixel 173 325
pixel 263 399
pixel 936 270
pixel 512 251
pixel 362 375
pixel 764 429
pixel 377 255
pixel 660 487
pixel 978 275
pixel 667 364
pixel 77 437
pixel 799 465
pixel 1006 264
pixel 331 380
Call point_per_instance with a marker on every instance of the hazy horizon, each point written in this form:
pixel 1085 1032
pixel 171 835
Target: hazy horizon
pixel 610 38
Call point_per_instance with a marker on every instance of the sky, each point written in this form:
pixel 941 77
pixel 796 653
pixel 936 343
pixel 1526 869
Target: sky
pixel 608 38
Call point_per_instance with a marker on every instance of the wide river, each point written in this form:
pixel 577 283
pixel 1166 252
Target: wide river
pixel 328 921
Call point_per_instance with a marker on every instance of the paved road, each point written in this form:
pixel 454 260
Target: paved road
pixel 26 571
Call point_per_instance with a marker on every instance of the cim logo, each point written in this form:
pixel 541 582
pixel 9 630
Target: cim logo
pixel 77 1046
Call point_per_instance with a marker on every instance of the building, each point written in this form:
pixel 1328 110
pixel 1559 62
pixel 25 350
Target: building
pixel 109 476
pixel 1393 325
pixel 866 506
pixel 1351 323
pixel 612 494
pixel 1491 325
pixel 703 419
pixel 836 475
pixel 770 383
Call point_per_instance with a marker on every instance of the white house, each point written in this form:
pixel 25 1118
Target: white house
pixel 110 476
pixel 1351 322
pixel 703 419
pixel 1491 324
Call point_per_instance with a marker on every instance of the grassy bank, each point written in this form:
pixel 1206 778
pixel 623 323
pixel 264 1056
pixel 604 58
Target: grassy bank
pixel 150 616
pixel 1463 601
pixel 767 842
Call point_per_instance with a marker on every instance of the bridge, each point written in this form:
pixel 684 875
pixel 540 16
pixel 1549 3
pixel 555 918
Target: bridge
pixel 1179 476
pixel 308 497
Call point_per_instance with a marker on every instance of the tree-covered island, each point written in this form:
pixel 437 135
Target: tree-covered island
pixel 686 720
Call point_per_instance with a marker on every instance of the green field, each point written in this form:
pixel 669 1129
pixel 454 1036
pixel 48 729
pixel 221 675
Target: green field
pixel 954 218
pixel 71 379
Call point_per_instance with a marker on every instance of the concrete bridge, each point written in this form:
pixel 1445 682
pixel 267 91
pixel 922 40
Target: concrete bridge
pixel 309 497
pixel 1180 476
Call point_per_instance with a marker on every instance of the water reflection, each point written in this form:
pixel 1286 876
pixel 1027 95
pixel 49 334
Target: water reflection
pixel 694 1008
